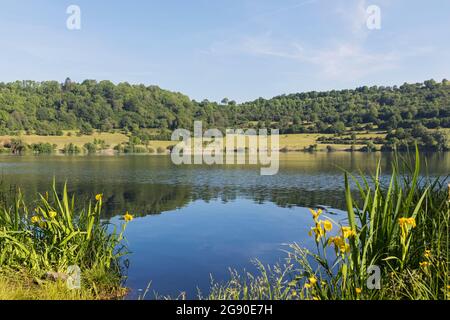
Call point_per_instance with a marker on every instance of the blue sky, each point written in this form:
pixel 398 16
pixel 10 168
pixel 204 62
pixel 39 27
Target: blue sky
pixel 240 49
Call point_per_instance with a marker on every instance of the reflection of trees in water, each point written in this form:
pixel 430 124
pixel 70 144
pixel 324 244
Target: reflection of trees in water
pixel 156 199
pixel 152 185
pixel 283 197
pixel 148 199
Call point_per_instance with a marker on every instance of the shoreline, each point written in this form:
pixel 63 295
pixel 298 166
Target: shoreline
pixel 114 153
pixel 118 142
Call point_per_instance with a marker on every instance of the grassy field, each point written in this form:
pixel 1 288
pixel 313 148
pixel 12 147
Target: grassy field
pixel 289 142
pixel 111 139
pixel 304 140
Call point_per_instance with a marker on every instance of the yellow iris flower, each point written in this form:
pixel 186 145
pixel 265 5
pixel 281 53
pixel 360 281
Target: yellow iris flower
pixel 128 217
pixel 327 225
pixel 339 244
pixel 312 281
pixel 347 232
pixel 316 214
pixel 35 219
pixel 407 222
pixel 318 232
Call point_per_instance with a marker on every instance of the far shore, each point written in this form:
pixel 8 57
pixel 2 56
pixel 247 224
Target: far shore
pixel 118 142
pixel 112 142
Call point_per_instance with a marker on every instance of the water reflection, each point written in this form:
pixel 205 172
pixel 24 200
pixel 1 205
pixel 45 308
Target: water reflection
pixel 152 184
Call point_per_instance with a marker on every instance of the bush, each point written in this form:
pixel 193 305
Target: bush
pixel 90 147
pixel 131 148
pixel 119 148
pixel 86 129
pixel 311 148
pixel 370 147
pixel 43 148
pixel 134 140
pixel 161 150
pixel 100 144
pixel 139 149
pixel 17 146
pixel 71 149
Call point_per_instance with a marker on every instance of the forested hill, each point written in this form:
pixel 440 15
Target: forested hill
pixel 48 107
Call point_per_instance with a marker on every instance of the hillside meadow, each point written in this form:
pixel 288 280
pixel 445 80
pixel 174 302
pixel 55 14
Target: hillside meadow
pixel 288 142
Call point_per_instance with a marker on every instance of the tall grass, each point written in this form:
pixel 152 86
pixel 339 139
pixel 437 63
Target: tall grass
pixel 401 227
pixel 53 235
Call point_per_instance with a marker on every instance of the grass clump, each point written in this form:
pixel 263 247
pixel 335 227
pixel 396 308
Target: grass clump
pixel 38 246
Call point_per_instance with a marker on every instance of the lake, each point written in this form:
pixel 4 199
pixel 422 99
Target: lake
pixel 194 222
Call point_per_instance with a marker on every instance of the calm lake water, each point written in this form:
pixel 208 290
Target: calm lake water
pixel 197 221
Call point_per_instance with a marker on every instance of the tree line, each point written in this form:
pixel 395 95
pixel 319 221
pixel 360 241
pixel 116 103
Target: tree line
pixel 47 108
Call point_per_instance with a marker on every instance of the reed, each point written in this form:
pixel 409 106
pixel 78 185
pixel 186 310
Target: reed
pixel 52 235
pixel 401 227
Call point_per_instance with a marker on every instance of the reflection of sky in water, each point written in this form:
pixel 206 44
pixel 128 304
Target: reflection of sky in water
pixel 178 251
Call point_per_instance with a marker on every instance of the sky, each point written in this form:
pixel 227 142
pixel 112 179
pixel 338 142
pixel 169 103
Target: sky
pixel 239 49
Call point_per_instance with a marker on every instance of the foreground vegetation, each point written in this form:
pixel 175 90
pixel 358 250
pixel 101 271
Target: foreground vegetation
pixel 401 227
pixel 44 246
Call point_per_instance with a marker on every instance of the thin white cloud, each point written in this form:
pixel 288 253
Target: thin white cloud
pixel 342 61
pixel 345 60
